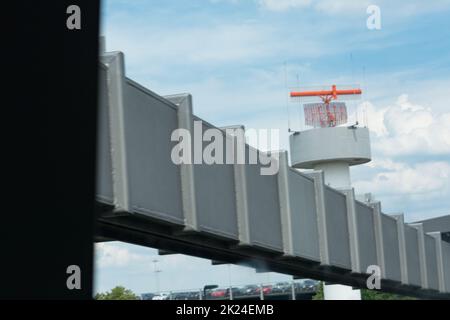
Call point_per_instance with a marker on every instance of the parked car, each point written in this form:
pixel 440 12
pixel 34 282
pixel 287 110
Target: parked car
pixel 180 296
pixel 161 296
pixel 266 289
pixel 194 295
pixel 308 285
pixel 281 287
pixel 147 296
pixel 236 292
pixel 208 289
pixel 250 290
pixel 219 293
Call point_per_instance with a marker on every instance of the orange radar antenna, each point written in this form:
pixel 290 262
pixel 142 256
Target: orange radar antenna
pixel 326 95
pixel 327 114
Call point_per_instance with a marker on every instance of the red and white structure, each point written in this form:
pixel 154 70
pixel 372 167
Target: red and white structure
pixel 330 142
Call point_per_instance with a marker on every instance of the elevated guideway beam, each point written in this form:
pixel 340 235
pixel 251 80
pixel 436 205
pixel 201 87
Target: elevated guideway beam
pixel 287 222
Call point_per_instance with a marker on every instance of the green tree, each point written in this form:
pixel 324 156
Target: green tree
pixel 367 294
pixel 319 292
pixel 117 293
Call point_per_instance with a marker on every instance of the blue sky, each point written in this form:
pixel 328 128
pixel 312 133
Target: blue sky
pixel 230 55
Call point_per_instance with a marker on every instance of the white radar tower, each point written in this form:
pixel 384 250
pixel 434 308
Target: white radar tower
pixel 331 139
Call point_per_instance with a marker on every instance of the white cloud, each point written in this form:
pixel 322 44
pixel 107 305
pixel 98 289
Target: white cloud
pixel 405 117
pixel 329 6
pixel 410 8
pixel 145 45
pixel 117 254
pixel 407 131
pixel 111 255
pixel 385 163
pixel 397 8
pixel 283 5
pixel 406 128
pixel 229 1
pixel 373 118
pixel 154 50
pixel 422 181
pixel 342 6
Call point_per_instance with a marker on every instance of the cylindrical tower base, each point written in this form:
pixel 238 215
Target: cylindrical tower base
pixel 340 292
pixel 337 174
